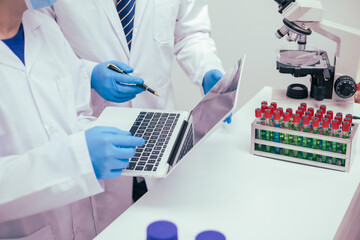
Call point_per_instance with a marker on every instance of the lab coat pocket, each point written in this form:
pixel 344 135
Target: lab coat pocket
pixel 165 13
pixel 43 233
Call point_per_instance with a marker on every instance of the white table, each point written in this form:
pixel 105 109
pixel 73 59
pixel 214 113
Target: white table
pixel 221 186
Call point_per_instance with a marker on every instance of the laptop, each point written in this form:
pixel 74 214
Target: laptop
pixel 170 135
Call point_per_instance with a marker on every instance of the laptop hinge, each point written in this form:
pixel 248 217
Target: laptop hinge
pixel 176 146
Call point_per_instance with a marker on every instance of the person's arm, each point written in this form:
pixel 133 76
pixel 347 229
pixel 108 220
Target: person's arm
pixel 46 177
pixel 194 48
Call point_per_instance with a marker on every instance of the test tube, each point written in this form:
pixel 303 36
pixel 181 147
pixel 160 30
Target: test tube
pixel 306 140
pixel 287 137
pixel 258 121
pixel 334 145
pixel 315 141
pixel 290 111
pixel 296 127
pixel 277 134
pixel 345 134
pixel 325 144
pixel 281 110
pixel 272 112
pixel 268 133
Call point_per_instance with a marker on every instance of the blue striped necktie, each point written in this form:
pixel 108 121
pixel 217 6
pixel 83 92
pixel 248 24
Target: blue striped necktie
pixel 126 11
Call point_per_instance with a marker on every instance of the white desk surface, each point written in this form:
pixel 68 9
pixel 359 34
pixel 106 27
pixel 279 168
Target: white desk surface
pixel 221 186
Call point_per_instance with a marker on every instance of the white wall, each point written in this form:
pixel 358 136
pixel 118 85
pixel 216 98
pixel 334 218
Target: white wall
pixel 249 27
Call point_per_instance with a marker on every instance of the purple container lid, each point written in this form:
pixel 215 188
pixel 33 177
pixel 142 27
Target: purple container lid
pixel 162 230
pixel 210 235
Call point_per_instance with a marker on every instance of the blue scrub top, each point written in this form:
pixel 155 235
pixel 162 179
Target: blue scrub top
pixel 17 44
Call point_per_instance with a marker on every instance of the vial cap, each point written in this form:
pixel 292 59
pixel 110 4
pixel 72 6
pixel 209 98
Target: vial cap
pixel 335 124
pixel 286 117
pixel 318 115
pixel 274 104
pixel 277 115
pixel 296 118
pixel 302 108
pixel 320 111
pixel 281 110
pixel 263 108
pixel 304 105
pixel 345 126
pixel 323 107
pixel 309 114
pixel 325 123
pixel 299 112
pixel 306 120
pixel 210 235
pixel 331 113
pixel 328 116
pixel 338 117
pixel 290 111
pixel 267 113
pixel 312 110
pixel 348 120
pixel 258 113
pixel 339 114
pixel 264 102
pixel 349 116
pixel 315 122
pixel 272 109
pixel 162 230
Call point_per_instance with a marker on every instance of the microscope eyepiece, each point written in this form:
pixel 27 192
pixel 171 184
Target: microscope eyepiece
pixel 283 4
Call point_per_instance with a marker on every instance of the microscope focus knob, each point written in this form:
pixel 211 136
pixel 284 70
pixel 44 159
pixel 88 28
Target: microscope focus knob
pixel 345 86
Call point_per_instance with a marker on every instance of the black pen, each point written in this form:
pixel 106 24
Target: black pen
pixel 143 86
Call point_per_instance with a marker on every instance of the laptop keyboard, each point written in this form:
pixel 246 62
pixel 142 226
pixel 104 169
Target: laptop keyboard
pixel 188 144
pixel 156 128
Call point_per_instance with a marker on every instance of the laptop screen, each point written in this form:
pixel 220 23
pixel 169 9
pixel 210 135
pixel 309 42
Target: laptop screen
pixel 216 104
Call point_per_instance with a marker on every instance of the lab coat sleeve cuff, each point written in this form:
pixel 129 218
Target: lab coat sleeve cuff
pixel 92 185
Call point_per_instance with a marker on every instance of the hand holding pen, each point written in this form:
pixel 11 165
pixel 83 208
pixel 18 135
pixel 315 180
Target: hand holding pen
pixel 143 86
pixel 115 87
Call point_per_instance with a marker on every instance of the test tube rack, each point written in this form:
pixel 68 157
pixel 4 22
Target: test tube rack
pixel 350 145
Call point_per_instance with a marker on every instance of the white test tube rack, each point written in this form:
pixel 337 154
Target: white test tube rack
pixel 350 146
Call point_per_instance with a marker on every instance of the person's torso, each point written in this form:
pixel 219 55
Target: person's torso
pixel 37 104
pixel 94 30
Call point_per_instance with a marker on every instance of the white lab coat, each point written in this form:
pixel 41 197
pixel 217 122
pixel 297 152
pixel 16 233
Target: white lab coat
pixel 45 167
pixel 162 29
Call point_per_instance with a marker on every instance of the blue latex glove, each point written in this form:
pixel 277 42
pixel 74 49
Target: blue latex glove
pixel 110 150
pixel 209 81
pixel 112 86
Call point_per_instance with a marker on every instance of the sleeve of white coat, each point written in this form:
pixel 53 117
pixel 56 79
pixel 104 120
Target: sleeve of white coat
pixel 194 48
pixel 41 179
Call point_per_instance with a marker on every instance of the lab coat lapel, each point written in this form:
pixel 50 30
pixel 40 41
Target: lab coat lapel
pixel 111 13
pixel 8 58
pixel 32 43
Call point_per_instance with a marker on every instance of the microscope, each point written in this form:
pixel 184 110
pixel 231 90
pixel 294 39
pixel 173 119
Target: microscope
pixel 337 82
